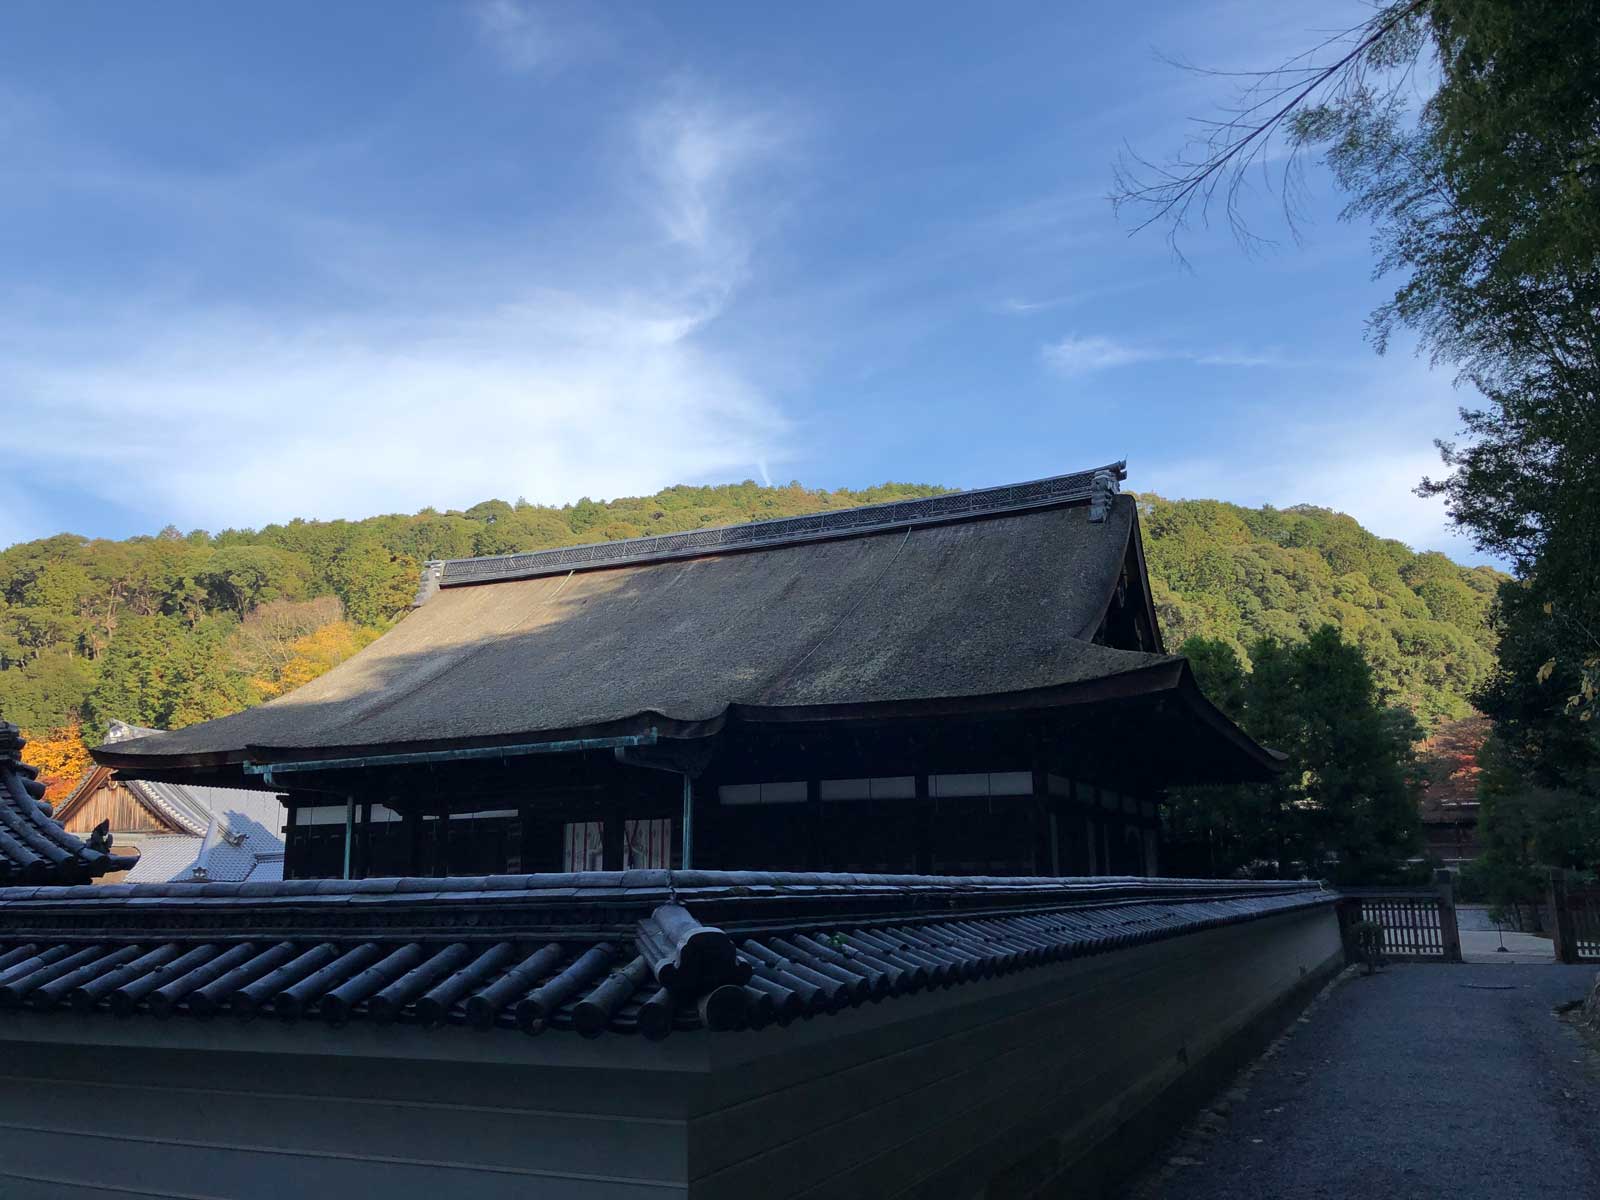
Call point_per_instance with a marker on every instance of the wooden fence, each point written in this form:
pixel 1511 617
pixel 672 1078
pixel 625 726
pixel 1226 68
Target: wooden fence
pixel 1575 913
pixel 1419 924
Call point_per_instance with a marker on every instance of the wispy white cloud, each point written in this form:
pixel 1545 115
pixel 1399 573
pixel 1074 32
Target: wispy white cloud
pixel 1237 358
pixel 402 396
pixel 1021 307
pixel 697 150
pixel 237 422
pixel 1080 354
pixel 535 37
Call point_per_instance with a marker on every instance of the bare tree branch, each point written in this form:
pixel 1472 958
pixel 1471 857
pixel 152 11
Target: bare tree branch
pixel 1176 191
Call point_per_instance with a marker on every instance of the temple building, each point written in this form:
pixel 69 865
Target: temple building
pixel 968 684
pixel 764 849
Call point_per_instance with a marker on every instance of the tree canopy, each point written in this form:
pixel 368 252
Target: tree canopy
pixel 1237 576
pixel 1345 806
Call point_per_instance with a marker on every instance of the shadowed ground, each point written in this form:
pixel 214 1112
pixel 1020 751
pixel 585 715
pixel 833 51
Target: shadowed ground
pixel 1422 1081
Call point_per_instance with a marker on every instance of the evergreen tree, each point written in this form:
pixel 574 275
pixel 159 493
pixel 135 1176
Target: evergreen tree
pixel 1345 805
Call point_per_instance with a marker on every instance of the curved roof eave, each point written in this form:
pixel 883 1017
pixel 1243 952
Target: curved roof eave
pixel 1161 673
pixel 1271 762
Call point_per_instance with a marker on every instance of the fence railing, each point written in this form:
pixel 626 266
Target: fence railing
pixel 1419 924
pixel 1575 913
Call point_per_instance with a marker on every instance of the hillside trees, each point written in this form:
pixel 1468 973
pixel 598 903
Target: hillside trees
pixel 1241 575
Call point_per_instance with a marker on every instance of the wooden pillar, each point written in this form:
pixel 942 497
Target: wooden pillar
pixel 922 827
pixel 1090 807
pixel 349 832
pixel 1449 931
pixel 707 824
pixel 528 851
pixel 364 846
pixel 441 840
pixel 1563 934
pixel 687 856
pixel 1046 854
pixel 411 824
pixel 1159 867
pixel 293 854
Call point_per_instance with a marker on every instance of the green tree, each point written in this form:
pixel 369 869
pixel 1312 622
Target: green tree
pixel 1541 801
pixel 242 576
pixel 1240 576
pixel 375 583
pixel 1219 673
pixel 1345 805
pixel 48 693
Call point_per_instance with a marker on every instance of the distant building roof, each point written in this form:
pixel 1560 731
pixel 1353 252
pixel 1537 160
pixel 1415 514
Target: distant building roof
pixel 216 833
pixel 645 952
pixel 33 846
pixel 994 598
pixel 179 858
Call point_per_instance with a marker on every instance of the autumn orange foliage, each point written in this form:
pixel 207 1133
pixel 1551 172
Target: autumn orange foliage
pixel 312 655
pixel 62 759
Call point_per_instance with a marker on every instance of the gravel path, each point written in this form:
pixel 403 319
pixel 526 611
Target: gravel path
pixel 1422 1081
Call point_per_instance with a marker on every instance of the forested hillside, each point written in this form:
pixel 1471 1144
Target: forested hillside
pixel 177 628
pixel 1243 574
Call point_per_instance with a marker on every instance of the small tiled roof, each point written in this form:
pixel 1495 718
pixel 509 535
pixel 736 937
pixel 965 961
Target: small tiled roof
pixel 626 952
pixel 219 833
pixel 33 846
pixel 179 858
pixel 163 857
pixel 200 810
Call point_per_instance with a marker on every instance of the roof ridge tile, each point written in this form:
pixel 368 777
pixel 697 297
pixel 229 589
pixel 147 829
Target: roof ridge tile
pixel 1078 486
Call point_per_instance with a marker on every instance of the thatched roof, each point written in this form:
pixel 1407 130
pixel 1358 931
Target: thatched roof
pixel 919 608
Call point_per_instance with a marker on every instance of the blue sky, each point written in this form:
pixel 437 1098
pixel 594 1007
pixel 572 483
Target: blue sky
pixel 330 260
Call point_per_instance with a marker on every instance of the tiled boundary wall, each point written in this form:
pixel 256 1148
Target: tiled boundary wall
pixel 1057 1082
pixel 1057 1079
